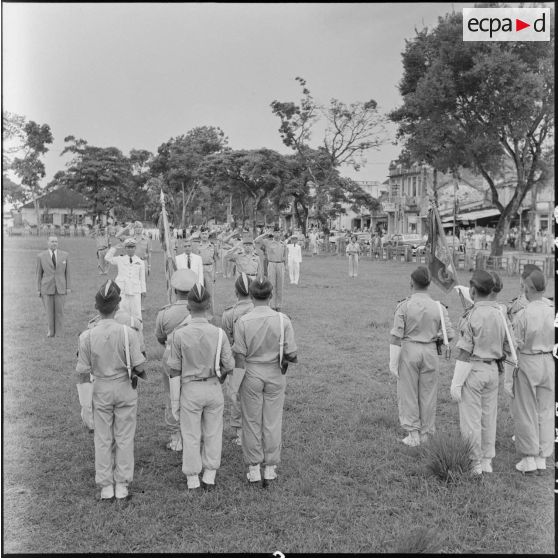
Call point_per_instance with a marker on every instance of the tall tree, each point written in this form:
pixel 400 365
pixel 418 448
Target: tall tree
pixel 350 131
pixel 482 106
pixel 29 168
pixel 102 174
pixel 178 161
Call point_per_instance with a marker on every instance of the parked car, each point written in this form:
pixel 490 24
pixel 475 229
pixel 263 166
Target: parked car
pixel 415 241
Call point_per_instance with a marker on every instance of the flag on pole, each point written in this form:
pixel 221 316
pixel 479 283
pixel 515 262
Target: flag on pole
pixel 170 262
pixel 440 260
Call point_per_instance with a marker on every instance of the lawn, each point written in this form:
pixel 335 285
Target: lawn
pixel 346 483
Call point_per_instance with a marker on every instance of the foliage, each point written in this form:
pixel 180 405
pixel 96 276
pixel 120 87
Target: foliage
pixel 178 160
pixel 479 105
pixel 12 192
pixel 449 456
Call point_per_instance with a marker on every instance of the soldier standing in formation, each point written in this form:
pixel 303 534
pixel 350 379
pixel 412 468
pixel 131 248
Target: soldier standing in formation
pixel 103 244
pixel 200 358
pixel 263 345
pixel 208 254
pixel 244 258
pixel 418 324
pixel 110 353
pixel 482 342
pixel 168 319
pixel 276 253
pixel 228 320
pixel 532 389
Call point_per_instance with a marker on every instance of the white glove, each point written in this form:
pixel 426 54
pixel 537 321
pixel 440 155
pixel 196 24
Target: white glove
pixel 174 384
pixel 465 292
pixel 460 374
pixel 394 353
pixel 85 394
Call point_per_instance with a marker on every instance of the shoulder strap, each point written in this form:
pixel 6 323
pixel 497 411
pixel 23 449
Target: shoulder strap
pixel 508 335
pixel 218 354
pixel 444 331
pixel 127 349
pixel 281 339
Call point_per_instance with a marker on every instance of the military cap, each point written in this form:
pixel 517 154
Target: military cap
pixel 497 282
pixel 421 276
pixel 537 280
pixel 261 289
pixel 107 297
pixel 482 281
pixel 130 241
pixel 199 296
pixel 242 284
pixel 183 279
pixel 247 238
pixel 528 269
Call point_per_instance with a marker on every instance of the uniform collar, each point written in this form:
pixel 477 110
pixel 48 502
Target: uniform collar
pixel 181 302
pixel 421 294
pixel 263 309
pixel 199 320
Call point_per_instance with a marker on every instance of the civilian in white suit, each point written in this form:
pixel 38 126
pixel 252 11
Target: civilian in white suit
pixel 189 260
pixel 294 259
pixel 130 277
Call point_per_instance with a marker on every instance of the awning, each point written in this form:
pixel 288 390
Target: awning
pixel 480 214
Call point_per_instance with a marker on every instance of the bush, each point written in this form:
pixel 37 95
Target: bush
pixel 422 540
pixel 448 455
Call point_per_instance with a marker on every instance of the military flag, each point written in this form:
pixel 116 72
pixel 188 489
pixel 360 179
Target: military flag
pixel 440 258
pixel 164 229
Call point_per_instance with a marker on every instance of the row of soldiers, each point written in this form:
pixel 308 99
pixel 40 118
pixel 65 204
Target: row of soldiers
pixel 250 353
pixel 515 340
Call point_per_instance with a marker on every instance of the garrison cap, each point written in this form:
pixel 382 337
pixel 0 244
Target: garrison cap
pixel 537 280
pixel 482 281
pixel 107 297
pixel 261 289
pixel 130 241
pixel 528 269
pixel 497 282
pixel 183 279
pixel 247 238
pixel 242 284
pixel 421 276
pixel 199 297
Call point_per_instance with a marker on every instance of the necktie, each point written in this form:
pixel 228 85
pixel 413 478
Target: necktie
pixel 131 259
pixel 53 259
pixel 188 261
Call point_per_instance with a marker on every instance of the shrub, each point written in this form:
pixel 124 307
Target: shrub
pixel 448 455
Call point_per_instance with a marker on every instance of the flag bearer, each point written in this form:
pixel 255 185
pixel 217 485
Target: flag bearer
pixel 263 345
pixel 200 358
pixel 110 352
pixel 484 339
pixel 418 323
pixel 228 320
pixel 168 318
pixel 533 386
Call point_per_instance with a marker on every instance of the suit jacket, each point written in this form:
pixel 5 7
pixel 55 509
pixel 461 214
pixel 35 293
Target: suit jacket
pixel 196 264
pixel 51 280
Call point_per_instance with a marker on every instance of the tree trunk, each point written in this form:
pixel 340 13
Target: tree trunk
pixel 503 226
pixel 183 220
pixel 36 204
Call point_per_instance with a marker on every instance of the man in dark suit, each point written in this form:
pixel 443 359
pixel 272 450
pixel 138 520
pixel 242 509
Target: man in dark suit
pixel 53 283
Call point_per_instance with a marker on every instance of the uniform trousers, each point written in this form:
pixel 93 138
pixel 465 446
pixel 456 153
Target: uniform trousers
pixel 262 394
pixel 173 425
pixel 276 275
pixel 201 418
pixel 209 278
pixel 478 409
pixel 101 262
pixel 131 303
pixel 294 272
pixel 54 306
pixel 417 386
pixel 233 383
pixel 114 414
pixel 353 265
pixel 533 405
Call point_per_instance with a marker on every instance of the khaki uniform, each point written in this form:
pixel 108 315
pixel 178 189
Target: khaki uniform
pixel 123 317
pixel 192 351
pixel 483 335
pixel 533 403
pixel 276 255
pixel 228 319
pixel 102 243
pixel 520 302
pixel 262 391
pixel 417 323
pixel 168 318
pixel 244 263
pixel 102 354
pixel 209 257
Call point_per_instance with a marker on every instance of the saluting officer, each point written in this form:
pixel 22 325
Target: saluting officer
pixel 230 316
pixel 276 253
pixel 103 244
pixel 246 261
pixel 532 389
pixel 168 318
pixel 417 326
pixel 482 342
pixel 263 345
pixel 143 243
pixel 110 353
pixel 200 359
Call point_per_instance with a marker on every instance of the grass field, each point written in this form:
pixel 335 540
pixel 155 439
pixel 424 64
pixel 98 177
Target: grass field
pixel 346 483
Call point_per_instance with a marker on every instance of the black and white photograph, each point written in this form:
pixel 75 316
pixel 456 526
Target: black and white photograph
pixel 278 278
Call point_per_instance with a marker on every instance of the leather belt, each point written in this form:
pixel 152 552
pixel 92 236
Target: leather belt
pixel 271 261
pixel 539 353
pixel 485 360
pixel 209 263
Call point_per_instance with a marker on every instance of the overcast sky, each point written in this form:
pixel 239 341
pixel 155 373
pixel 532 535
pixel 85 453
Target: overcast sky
pixel 134 75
